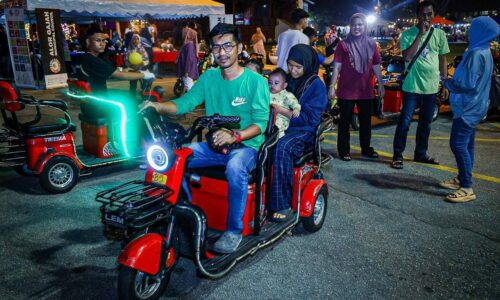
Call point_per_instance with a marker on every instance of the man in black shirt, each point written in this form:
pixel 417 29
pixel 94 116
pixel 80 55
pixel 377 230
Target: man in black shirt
pixel 95 70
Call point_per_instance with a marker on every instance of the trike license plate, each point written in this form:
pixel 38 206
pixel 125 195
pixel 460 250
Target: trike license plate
pixel 160 178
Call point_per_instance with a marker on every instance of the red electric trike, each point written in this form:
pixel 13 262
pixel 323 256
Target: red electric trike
pixel 45 144
pixel 178 211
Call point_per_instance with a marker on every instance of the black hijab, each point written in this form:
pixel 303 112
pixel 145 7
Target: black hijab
pixel 306 56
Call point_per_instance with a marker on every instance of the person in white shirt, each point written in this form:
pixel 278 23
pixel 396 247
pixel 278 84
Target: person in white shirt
pixel 292 37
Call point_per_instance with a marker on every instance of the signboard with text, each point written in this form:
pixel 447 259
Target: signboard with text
pixel 18 47
pixel 51 47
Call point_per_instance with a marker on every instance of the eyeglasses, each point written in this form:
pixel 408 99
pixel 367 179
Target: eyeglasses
pixel 228 47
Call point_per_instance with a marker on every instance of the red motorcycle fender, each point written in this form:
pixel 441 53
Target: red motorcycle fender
pixel 42 161
pixel 309 197
pixel 143 254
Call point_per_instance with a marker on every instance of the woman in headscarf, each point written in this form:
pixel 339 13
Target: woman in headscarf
pixel 136 46
pixel 187 62
pixel 356 60
pixel 306 85
pixel 470 88
pixel 258 39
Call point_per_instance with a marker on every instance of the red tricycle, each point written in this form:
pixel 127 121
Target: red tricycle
pixel 45 145
pixel 179 211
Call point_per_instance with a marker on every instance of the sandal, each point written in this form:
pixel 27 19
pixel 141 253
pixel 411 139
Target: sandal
pixel 346 157
pixel 452 184
pixel 427 160
pixel 281 216
pixel 397 164
pixel 461 195
pixel 370 153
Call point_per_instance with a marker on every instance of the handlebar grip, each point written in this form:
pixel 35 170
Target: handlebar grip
pixel 226 119
pixel 149 111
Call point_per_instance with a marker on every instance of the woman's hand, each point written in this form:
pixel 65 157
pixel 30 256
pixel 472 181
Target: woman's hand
pixel 331 92
pixel 296 113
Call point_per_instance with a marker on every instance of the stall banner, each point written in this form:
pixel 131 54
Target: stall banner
pixel 216 19
pixel 18 47
pixel 50 36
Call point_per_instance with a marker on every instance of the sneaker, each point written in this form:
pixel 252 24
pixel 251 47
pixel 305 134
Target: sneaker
pixel 452 184
pixel 227 243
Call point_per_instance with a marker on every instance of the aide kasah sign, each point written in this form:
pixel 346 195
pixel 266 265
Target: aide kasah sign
pixel 51 46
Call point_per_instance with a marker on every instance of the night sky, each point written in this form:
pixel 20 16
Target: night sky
pixel 340 10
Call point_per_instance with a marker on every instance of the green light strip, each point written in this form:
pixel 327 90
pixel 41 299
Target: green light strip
pixel 123 119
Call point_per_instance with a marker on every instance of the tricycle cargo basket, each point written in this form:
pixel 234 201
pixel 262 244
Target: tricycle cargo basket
pixel 134 205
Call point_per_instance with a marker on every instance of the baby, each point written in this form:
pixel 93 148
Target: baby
pixel 282 98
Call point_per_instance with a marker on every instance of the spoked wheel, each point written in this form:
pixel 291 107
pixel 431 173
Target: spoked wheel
pixel 59 175
pixel 316 220
pixel 178 88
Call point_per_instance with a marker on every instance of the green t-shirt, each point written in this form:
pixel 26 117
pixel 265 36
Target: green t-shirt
pixel 423 77
pixel 246 96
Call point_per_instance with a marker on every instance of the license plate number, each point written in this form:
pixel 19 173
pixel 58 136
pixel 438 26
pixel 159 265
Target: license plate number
pixel 159 178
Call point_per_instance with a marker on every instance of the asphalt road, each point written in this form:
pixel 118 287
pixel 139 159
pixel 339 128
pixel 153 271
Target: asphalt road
pixel 388 234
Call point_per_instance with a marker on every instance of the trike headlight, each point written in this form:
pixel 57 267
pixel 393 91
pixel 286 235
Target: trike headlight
pixel 158 158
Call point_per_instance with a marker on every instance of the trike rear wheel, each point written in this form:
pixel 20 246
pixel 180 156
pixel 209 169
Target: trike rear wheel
pixel 59 175
pixel 314 222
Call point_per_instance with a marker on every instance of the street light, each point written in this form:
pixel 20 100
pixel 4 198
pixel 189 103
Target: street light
pixel 370 19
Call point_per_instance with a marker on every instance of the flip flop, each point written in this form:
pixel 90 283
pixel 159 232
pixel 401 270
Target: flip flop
pixel 427 160
pixel 397 164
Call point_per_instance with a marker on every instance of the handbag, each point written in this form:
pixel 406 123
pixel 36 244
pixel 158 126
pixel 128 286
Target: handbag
pixel 422 47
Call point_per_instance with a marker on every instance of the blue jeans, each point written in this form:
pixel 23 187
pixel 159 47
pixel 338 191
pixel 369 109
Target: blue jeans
pixel 427 103
pixel 239 163
pixel 462 145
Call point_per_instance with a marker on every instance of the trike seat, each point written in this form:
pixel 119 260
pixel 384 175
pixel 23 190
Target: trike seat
pixel 47 128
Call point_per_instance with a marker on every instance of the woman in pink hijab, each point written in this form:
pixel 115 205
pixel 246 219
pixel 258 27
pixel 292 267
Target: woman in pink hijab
pixel 258 39
pixel 356 60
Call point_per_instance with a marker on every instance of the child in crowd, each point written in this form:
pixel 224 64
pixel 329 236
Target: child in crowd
pixel 282 98
pixel 254 65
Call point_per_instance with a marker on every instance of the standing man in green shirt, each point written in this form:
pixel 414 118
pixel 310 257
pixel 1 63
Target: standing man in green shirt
pixel 229 90
pixel 421 85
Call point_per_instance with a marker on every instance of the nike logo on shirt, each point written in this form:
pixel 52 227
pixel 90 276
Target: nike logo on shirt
pixel 239 101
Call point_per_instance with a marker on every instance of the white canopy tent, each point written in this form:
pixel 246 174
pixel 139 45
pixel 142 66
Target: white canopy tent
pixel 155 9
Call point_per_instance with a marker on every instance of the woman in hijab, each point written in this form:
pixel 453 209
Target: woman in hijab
pixel 187 62
pixel 305 84
pixel 258 39
pixel 470 88
pixel 356 60
pixel 136 46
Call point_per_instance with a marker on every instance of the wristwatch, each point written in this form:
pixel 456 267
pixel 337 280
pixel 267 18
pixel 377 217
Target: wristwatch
pixel 237 136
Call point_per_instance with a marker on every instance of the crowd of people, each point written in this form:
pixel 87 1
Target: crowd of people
pixel 300 97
